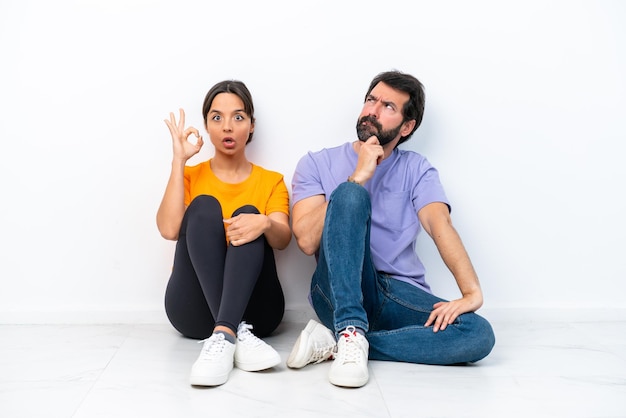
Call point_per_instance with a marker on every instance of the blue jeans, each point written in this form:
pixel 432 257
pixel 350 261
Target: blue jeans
pixel 347 290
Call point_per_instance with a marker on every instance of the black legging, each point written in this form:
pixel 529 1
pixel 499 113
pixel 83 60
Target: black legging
pixel 213 283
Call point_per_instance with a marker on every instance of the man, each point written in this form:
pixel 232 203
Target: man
pixel 359 208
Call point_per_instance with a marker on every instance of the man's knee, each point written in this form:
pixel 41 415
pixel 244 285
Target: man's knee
pixel 350 197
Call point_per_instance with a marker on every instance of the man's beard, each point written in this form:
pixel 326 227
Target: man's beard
pixel 374 128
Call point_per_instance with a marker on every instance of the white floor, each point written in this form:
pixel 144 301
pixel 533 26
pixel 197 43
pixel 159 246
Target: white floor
pixel 537 369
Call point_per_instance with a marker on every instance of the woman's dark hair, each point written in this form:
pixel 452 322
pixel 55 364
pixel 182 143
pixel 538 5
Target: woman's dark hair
pixel 414 107
pixel 230 86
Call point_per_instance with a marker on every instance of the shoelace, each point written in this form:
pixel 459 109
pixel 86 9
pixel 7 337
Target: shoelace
pixel 350 351
pixel 322 352
pixel 213 347
pixel 246 336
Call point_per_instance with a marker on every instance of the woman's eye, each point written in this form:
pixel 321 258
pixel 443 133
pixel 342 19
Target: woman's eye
pixel 238 117
pixel 217 117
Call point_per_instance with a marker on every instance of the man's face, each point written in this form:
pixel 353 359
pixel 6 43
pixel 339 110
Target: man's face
pixel 382 115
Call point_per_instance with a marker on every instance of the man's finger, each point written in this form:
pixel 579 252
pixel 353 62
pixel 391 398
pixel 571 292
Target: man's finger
pixel 372 140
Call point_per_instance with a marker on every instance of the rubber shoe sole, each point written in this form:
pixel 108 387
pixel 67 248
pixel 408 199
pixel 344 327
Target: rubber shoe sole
pixel 208 381
pixel 348 381
pixel 262 364
pixel 299 356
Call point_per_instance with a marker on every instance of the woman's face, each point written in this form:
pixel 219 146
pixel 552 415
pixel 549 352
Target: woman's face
pixel 228 124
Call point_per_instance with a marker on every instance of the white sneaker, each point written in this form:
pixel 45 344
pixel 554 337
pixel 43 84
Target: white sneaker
pixel 350 366
pixel 315 344
pixel 214 363
pixel 252 353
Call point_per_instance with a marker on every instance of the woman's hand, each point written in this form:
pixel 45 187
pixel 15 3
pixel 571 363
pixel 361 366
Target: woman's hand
pixel 183 148
pixel 246 227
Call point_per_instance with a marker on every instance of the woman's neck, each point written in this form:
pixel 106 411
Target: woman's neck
pixel 231 170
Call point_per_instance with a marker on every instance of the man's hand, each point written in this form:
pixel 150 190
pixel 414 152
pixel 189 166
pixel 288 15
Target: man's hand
pixel 445 313
pixel 435 218
pixel 371 154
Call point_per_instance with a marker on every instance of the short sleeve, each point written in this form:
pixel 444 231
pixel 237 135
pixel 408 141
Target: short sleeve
pixel 306 180
pixel 279 197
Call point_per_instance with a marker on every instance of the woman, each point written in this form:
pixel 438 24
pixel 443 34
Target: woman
pixel 227 215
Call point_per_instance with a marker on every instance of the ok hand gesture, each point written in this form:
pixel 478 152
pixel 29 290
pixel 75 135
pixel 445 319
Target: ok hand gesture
pixel 183 148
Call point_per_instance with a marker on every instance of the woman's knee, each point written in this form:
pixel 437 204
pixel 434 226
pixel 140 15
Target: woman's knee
pixel 204 208
pixel 246 209
pixel 203 204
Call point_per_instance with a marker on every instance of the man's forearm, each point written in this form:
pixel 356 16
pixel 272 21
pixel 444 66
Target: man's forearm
pixel 308 229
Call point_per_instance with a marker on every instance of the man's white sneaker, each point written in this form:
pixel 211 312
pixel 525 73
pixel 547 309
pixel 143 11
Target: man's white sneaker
pixel 350 366
pixel 315 344
pixel 252 353
pixel 214 363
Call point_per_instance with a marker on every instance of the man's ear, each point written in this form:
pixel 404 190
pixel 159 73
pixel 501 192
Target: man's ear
pixel 407 127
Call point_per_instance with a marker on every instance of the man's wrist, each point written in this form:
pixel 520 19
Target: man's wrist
pixel 352 180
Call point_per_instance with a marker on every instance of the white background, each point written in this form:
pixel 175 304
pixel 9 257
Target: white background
pixel 525 119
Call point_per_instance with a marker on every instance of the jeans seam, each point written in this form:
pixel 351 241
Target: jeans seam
pixel 391 296
pixel 404 303
pixel 318 290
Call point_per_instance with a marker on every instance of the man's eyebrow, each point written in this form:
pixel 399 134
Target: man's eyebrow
pixel 388 103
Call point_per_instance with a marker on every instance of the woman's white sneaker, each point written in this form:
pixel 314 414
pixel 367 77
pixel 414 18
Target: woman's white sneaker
pixel 215 362
pixel 252 353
